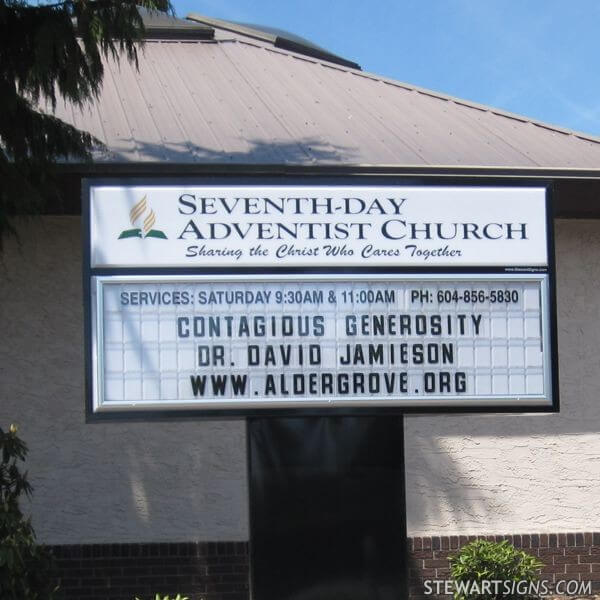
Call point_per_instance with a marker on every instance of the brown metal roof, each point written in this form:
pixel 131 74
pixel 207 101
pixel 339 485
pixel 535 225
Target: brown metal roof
pixel 239 100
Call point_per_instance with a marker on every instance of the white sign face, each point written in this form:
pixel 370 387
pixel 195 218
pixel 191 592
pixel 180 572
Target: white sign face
pixel 316 226
pixel 180 342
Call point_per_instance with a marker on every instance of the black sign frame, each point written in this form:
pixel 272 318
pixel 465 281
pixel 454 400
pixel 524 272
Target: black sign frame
pixel 342 180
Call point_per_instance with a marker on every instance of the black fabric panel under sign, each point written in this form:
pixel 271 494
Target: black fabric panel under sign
pixel 327 508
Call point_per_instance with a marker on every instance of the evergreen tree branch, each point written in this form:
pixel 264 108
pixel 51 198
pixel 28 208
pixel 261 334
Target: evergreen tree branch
pixel 52 51
pixel 25 567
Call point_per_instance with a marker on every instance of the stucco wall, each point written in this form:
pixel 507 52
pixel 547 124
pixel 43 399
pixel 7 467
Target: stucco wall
pixel 524 473
pixel 187 480
pixel 117 482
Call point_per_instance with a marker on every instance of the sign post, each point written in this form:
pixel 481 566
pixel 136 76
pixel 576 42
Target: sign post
pixel 322 313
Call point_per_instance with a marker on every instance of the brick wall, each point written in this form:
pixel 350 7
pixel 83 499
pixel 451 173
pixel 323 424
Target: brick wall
pixel 202 571
pixel 220 571
pixel 566 556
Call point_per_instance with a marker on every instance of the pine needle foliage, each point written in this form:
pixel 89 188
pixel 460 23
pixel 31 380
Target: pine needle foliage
pixel 48 52
pixel 25 567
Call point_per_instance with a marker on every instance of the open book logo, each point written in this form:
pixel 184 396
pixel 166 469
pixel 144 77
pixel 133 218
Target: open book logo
pixel 140 211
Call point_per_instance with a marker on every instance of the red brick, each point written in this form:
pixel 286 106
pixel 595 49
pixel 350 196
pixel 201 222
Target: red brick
pixel 436 562
pixel 553 569
pixel 578 568
pixel 550 552
pixel 117 571
pixel 566 560
pixel 569 559
pixel 428 573
pixel 422 554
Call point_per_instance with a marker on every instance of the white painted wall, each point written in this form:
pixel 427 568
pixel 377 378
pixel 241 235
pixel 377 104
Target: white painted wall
pixel 517 473
pixel 117 482
pixel 184 481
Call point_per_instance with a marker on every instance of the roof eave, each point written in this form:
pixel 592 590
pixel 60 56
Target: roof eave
pixel 162 168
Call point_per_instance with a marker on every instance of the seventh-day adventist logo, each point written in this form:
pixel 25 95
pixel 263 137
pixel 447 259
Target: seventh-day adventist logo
pixel 145 231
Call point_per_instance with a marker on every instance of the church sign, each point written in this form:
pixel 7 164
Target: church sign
pixel 235 299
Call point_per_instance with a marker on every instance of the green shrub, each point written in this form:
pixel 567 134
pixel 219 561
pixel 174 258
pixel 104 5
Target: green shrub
pixel 25 567
pixel 482 561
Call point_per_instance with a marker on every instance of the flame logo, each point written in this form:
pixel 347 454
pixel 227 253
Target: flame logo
pixel 149 221
pixel 136 213
pixel 137 210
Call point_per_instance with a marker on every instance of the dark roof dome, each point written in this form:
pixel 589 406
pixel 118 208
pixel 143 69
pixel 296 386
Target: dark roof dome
pixel 278 37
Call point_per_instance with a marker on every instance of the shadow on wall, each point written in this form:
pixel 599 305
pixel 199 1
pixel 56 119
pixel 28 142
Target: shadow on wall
pixel 104 482
pixel 114 482
pixel 513 472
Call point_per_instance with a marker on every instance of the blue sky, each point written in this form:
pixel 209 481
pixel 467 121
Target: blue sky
pixel 539 58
